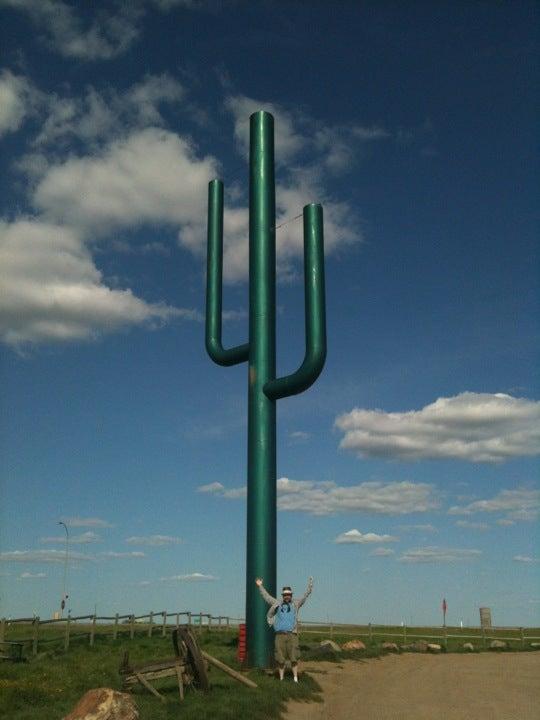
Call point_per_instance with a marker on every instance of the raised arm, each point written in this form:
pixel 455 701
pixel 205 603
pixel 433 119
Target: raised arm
pixel 305 596
pixel 266 595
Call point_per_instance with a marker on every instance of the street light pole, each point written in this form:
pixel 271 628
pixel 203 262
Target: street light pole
pixel 64 596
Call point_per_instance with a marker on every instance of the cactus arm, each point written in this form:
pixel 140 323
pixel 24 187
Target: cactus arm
pixel 315 318
pixel 214 282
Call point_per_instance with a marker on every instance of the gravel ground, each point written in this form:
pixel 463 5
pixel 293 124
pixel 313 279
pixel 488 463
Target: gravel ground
pixel 485 686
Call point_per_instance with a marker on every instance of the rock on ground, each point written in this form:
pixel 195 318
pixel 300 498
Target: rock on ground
pixel 104 704
pixel 468 646
pixel 434 648
pixel 330 645
pixel 353 645
pixel 497 645
pixel 419 646
pixel 390 647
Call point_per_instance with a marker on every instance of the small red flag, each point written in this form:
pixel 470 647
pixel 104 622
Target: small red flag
pixel 444 605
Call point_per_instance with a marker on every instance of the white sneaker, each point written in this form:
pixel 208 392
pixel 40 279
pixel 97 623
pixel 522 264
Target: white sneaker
pixel 295 679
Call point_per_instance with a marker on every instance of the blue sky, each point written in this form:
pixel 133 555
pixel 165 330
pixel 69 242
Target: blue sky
pixel 408 472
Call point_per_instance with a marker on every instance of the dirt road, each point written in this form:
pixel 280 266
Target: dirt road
pixel 486 686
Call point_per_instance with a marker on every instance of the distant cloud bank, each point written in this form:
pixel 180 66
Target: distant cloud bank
pixel 476 427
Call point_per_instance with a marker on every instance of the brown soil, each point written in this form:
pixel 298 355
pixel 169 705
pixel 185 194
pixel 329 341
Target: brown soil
pixel 486 686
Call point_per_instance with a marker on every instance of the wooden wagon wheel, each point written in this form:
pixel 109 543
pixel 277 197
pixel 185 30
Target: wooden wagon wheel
pixel 194 656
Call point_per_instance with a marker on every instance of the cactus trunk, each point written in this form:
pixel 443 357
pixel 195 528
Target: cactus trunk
pixel 263 387
pixel 261 482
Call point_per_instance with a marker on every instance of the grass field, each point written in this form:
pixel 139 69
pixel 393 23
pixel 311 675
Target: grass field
pixel 50 684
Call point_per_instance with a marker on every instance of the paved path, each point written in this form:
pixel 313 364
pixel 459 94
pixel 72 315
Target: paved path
pixel 485 686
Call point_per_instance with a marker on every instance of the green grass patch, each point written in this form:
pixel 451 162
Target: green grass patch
pixel 49 685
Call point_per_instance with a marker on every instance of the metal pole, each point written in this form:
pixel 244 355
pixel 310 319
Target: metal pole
pixel 64 596
pixel 261 481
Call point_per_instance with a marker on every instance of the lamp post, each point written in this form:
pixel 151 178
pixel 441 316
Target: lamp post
pixel 64 596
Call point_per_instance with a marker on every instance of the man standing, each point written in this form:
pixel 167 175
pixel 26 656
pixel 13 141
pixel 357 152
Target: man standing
pixel 283 616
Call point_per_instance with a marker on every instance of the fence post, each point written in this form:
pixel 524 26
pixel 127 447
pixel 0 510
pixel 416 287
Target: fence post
pixel 115 629
pixel 92 631
pixel 370 633
pixel 332 629
pixel 209 622
pixel 66 636
pixel 219 622
pixel 404 634
pixel 2 629
pixel 228 619
pixel 189 617
pixel 522 636
pixel 132 627
pixel 484 637
pixel 445 638
pixel 177 620
pixel 164 624
pixel 151 623
pixel 35 631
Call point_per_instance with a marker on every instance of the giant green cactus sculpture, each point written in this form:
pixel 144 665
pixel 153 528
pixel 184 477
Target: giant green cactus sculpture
pixel 264 387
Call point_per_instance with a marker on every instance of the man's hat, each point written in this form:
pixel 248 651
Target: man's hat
pixel 286 589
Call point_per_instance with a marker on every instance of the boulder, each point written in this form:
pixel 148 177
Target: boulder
pixel 535 645
pixel 469 647
pixel 390 647
pixel 353 645
pixel 497 645
pixel 419 646
pixel 434 648
pixel 329 646
pixel 405 648
pixel 104 704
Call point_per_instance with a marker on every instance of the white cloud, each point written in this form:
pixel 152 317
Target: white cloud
pixel 214 487
pixel 520 504
pixel 154 540
pixel 32 576
pixel 337 144
pixel 382 552
pixel 191 577
pixel 477 427
pixel 82 539
pixel 86 522
pixel 370 133
pixel 122 555
pixel 43 556
pixel 107 35
pixel 299 436
pixel 355 536
pixel 326 498
pixel 505 522
pixel 439 555
pixel 17 99
pixel 472 525
pixel 525 559
pixel 52 291
pixel 427 527
pixel 105 114
pixel 150 176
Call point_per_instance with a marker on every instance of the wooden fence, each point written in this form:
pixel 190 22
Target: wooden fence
pixel 35 632
pixel 405 634
pixel 12 631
